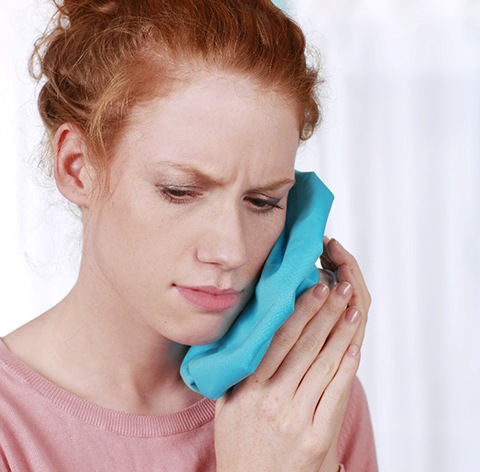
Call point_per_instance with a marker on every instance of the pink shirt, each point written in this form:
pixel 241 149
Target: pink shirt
pixel 44 428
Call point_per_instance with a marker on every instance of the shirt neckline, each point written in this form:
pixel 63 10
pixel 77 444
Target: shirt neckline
pixel 118 422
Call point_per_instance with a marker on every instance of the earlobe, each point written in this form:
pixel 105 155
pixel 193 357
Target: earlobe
pixel 73 175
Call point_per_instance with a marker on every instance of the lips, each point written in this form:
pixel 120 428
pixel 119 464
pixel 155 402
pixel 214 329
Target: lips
pixel 210 298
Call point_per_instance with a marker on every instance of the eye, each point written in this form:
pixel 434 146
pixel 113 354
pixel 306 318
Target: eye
pixel 178 194
pixel 264 204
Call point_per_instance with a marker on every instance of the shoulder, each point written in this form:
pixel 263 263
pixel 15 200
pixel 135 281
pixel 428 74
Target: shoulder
pixel 13 388
pixel 356 446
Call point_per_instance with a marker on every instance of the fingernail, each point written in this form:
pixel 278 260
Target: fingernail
pixel 353 350
pixel 335 241
pixel 343 288
pixel 332 242
pixel 320 291
pixel 352 315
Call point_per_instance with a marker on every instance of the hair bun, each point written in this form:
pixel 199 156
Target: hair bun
pixel 97 59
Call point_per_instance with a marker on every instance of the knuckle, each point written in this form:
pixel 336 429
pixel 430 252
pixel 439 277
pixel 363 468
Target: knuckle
pixel 325 366
pixel 310 445
pixel 289 426
pixel 308 343
pixel 269 408
pixel 351 260
pixel 365 317
pixel 335 306
pixel 285 335
pixel 305 308
pixel 308 304
pixel 368 297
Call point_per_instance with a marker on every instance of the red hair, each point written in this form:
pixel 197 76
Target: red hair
pixel 98 58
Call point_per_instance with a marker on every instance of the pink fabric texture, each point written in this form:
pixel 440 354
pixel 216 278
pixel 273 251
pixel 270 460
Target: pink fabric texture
pixel 44 428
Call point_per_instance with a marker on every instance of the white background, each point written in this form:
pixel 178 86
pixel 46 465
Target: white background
pixel 399 147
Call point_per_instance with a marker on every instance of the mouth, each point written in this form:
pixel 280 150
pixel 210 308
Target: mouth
pixel 210 298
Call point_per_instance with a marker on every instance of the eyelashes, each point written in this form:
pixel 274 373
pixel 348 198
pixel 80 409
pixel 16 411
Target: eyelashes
pixel 262 205
pixel 183 195
pixel 179 195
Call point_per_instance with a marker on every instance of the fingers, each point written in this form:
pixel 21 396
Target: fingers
pixel 298 342
pixel 335 397
pixel 338 256
pixel 327 262
pixel 297 397
pixel 307 306
pixel 326 365
pixel 310 339
pixel 349 271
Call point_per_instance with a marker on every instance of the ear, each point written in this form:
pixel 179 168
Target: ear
pixel 73 175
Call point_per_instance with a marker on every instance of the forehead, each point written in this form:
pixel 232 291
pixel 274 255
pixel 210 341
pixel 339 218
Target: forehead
pixel 217 119
pixel 202 82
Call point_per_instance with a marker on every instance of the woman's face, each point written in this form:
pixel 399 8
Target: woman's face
pixel 199 188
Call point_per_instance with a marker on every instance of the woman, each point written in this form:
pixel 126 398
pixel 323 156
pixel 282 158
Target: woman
pixel 174 126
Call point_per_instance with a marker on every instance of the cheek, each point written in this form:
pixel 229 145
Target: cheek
pixel 123 238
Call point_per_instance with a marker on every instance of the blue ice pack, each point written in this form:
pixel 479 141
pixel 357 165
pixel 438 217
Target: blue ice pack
pixel 289 270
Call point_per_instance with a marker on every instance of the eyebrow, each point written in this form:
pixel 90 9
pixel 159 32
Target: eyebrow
pixel 208 180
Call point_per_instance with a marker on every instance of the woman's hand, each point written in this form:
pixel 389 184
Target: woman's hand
pixel 336 259
pixel 287 415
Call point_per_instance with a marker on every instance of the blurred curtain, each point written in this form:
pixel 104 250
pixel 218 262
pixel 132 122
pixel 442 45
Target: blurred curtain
pixel 399 147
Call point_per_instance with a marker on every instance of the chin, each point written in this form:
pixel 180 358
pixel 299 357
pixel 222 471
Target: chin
pixel 208 334
pixel 210 327
pixel 206 338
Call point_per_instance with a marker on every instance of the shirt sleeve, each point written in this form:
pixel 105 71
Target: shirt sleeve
pixel 356 446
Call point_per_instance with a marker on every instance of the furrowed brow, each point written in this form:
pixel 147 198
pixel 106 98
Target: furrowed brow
pixel 193 172
pixel 208 180
pixel 278 184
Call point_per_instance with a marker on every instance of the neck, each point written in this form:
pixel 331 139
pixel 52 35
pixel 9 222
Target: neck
pixel 92 346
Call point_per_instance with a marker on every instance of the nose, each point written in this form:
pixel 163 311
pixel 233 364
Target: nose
pixel 223 241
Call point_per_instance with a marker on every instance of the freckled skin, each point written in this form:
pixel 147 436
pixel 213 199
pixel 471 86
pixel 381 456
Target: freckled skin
pixel 199 183
pixel 188 206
